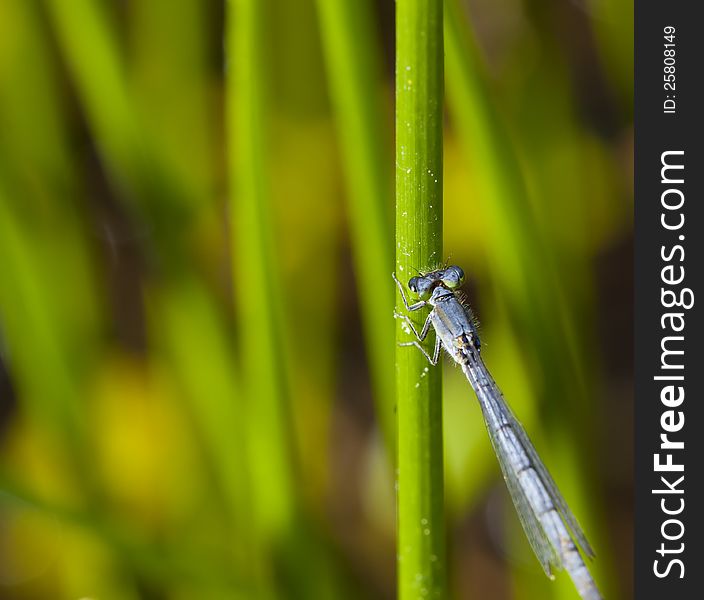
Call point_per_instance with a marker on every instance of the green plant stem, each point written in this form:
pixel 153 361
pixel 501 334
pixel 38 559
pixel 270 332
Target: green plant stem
pixel 354 73
pixel 419 104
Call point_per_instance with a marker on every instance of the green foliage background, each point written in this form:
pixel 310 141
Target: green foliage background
pixel 196 332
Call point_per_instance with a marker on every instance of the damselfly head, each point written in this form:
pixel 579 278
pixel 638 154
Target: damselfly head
pixel 422 286
pixel 452 277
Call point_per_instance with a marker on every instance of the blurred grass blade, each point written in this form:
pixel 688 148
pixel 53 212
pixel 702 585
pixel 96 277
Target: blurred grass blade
pixel 41 238
pixel 140 167
pixel 352 52
pixel 255 276
pixel 34 341
pixel 34 132
pixel 173 90
pixel 91 52
pixel 308 222
pixel 499 182
pixel 193 336
pixel 518 252
pixel 419 122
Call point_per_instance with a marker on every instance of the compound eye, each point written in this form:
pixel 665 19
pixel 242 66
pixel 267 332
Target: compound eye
pixel 421 286
pixel 453 277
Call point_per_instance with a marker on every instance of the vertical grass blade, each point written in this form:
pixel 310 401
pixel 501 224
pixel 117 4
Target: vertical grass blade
pixel 521 261
pixel 89 47
pixel 34 339
pixel 183 318
pixel 255 276
pixel 351 54
pixel 41 242
pixel 419 104
pixel 518 254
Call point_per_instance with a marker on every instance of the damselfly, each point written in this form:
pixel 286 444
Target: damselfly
pixel 550 526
